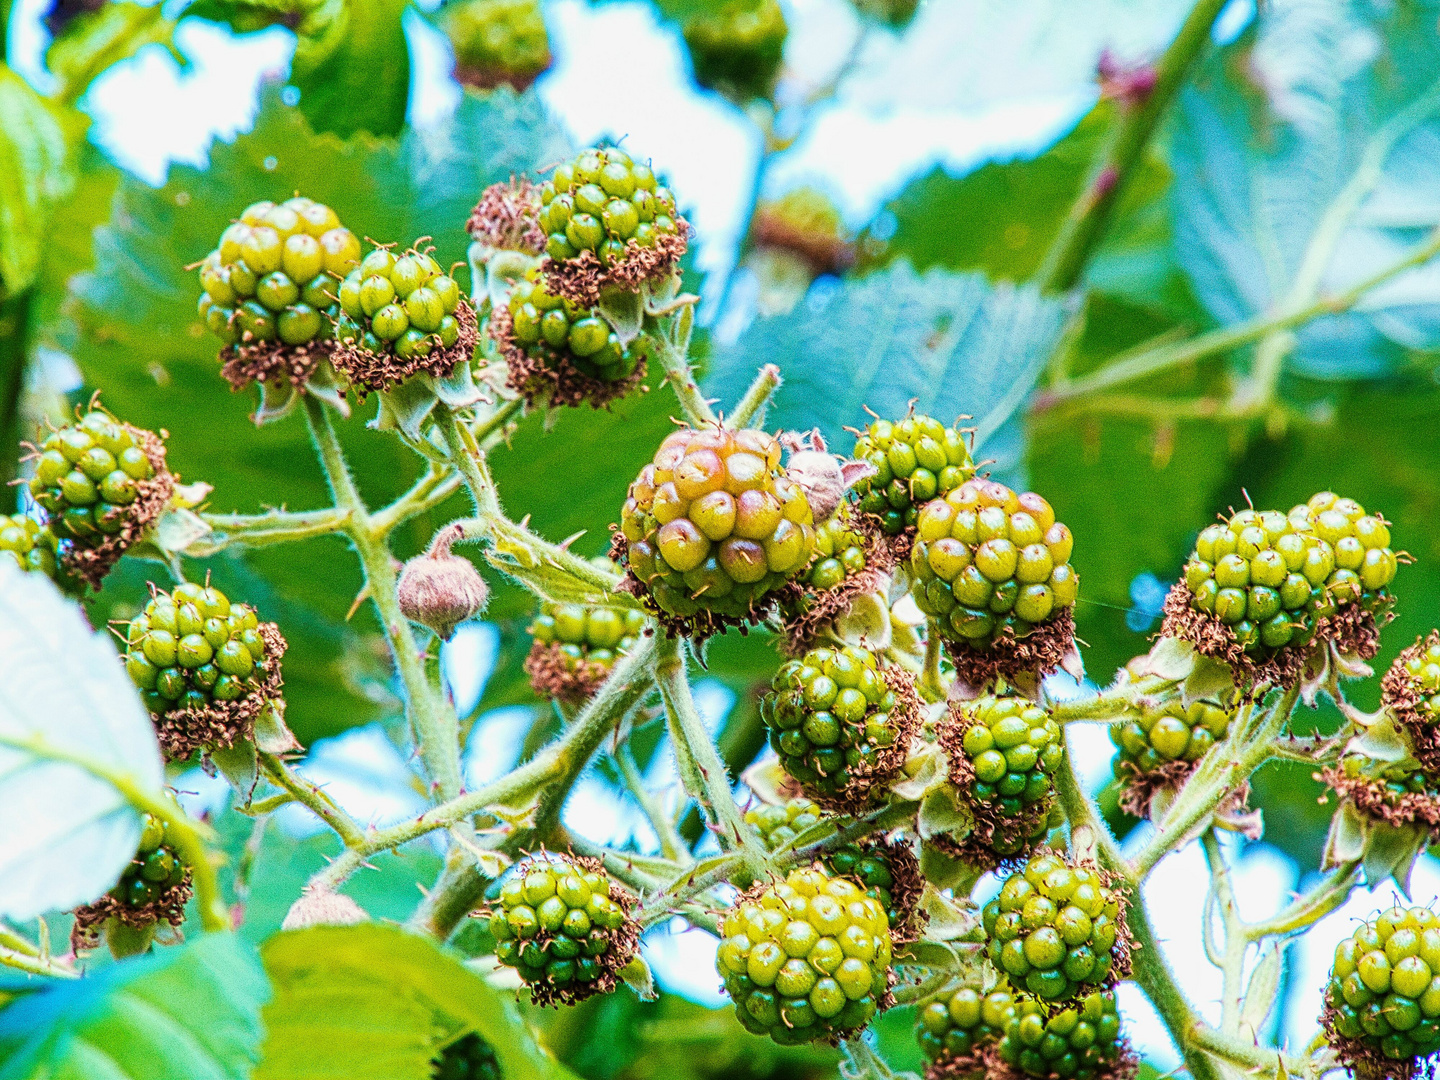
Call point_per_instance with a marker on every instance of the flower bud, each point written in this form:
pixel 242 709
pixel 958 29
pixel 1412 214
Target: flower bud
pixel 440 590
pixel 322 907
pixel 822 475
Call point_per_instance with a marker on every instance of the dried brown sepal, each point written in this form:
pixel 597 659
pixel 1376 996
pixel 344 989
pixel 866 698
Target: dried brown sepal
pixel 1039 653
pixel 493 77
pixel 1125 1065
pixel 897 546
pixel 818 609
pixel 1369 796
pixel 168 908
pixel 374 372
pixel 823 254
pixel 221 724
pixel 507 215
pixel 273 361
pixel 1406 699
pixel 582 279
pixel 561 678
pixel 971 1066
pixel 868 784
pixel 907 885
pixel 1365 1061
pixel 93 562
pixel 1138 789
pixel 536 379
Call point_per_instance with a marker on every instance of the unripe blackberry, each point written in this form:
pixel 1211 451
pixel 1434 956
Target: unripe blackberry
pixel 1263 581
pixel 497 42
pixel 468 1058
pixel 916 459
pixel 205 668
pixel 840 722
pixel 1411 691
pixel 561 352
pixel 609 223
pixel 851 560
pixel 738 48
pixel 1382 1004
pixel 101 483
pixel 564 927
pixel 953 1028
pixel 712 527
pixel 1159 746
pixel 805 224
pixel 31 545
pixel 153 888
pixel 778 825
pixel 807 958
pixel 1056 929
pixel 1395 794
pixel 1081 1041
pixel 401 315
pixel 576 646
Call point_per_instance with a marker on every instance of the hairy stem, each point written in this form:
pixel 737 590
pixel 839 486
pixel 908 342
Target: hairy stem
pixel 35 965
pixel 681 377
pixel 1232 965
pixel 1330 893
pixel 320 804
pixel 751 408
pixel 1152 974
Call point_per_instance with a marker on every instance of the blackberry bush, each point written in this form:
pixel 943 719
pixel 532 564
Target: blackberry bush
pixel 1159 746
pixel 564 927
pixel 807 958
pixel 497 42
pixel 961 1022
pixel 916 459
pixel 468 1058
pixel 738 47
pixel 1082 1041
pixel 153 889
pixel 575 647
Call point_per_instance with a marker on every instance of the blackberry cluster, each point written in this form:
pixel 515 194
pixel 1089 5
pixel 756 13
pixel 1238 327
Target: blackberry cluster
pixel 468 1058
pixel 576 646
pixel 155 868
pixel 1173 731
pixel 31 545
pixel 963 1021
pixel 1395 793
pixel 600 202
pixel 560 334
pixel 916 459
pixel 987 562
pixel 1383 998
pixel 405 304
pixel 833 720
pixel 714 524
pixel 1270 577
pixel 274 275
pixel 559 926
pixel 154 887
pixel 497 42
pixel 807 958
pixel 1054 928
pixel 805 223
pixel 738 48
pixel 1080 1042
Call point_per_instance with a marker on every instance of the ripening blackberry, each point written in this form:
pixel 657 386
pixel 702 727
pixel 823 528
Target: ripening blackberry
pixel 497 42
pixel 153 888
pixel 807 958
pixel 1411 691
pixel 206 668
pixel 31 545
pixel 564 927
pixel 1081 1041
pixel 778 825
pixel 712 526
pixel 988 563
pixel 738 47
pixel 1264 580
pixel 467 1058
pixel 575 647
pixel 1054 929
pixel 837 722
pixel 101 483
pixel 916 459
pixel 847 564
pixel 1382 1004
pixel 839 553
pixel 961 1022
pixel 275 274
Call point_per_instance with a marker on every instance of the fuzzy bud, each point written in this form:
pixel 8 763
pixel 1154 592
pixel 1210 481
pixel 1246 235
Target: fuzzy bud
pixel 440 590
pixel 321 907
pixel 821 475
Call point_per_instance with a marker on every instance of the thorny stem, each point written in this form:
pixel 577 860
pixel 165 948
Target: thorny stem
pixel 1328 894
pixel 36 965
pixel 321 805
pixel 681 377
pixel 1152 974
pixel 16 942
pixel 1246 1055
pixel 1108 706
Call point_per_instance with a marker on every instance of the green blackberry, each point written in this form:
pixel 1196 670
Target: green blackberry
pixel 1157 748
pixel 839 553
pixel 916 459
pixel 576 646
pixel 1411 691
pixel 804 224
pixel 806 959
pixel 564 928
pixel 467 1058
pixel 1396 794
pixel 1081 1042
pixel 1382 1003
pixel 497 42
pixel 31 545
pixel 712 526
pixel 848 564
pixel 600 202
pixel 738 47
pixel 963 1021
pixel 1055 928
pixel 274 275
pixel 988 563
pixel 206 668
pixel 153 888
pixel 778 825
pixel 837 722
pixel 101 483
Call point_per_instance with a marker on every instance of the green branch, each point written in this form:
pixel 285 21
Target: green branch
pixel 307 794
pixel 678 372
pixel 750 409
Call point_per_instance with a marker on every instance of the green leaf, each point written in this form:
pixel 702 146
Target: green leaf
pixel 955 342
pixel 95 40
pixel 66 697
pixel 374 1002
pixel 35 174
pixel 190 1011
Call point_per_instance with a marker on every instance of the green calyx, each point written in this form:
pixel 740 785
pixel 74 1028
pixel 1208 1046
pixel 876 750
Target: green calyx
pixel 916 459
pixel 558 332
pixel 599 202
pixel 962 1021
pixel 398 304
pixel 1081 1041
pixel 274 275
pixel 1270 577
pixel 467 1058
pixel 1384 988
pixel 987 561
pixel 1170 732
pixel 807 958
pixel 1054 929
pixel 738 48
